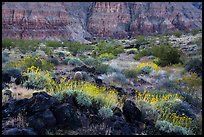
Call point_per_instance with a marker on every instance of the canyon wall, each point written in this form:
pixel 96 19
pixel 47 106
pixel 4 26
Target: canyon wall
pixel 81 21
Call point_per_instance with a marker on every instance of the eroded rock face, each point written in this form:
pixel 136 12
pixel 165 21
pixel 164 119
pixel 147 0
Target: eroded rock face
pixel 61 20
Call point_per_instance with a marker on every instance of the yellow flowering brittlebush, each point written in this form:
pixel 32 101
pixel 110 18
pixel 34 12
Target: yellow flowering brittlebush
pixel 30 61
pixel 108 96
pixel 165 113
pixel 150 64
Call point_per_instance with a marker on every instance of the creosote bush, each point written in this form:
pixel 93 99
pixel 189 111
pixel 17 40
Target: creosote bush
pixel 166 54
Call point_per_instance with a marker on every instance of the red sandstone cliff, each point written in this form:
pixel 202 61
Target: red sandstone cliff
pixel 78 21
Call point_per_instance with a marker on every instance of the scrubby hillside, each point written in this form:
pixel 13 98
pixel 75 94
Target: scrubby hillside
pixel 144 85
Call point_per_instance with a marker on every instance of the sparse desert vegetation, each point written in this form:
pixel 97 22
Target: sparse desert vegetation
pixel 60 88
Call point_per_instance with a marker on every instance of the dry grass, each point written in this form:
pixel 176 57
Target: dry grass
pixel 18 121
pixel 94 129
pixel 21 92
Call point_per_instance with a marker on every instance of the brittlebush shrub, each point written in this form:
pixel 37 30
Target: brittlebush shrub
pixel 29 61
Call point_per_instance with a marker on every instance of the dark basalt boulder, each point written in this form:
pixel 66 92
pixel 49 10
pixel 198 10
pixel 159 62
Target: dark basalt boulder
pixel 85 68
pixel 42 120
pixel 41 101
pixel 66 116
pixel 131 112
pixel 6 77
pixel 120 127
pixel 14 107
pixel 19 131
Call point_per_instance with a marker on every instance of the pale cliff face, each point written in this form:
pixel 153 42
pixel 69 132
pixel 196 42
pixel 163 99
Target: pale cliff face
pixel 77 21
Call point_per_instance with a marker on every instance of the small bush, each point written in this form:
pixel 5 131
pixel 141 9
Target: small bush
pixel 54 61
pixel 167 127
pixel 36 78
pixel 105 112
pixel 177 34
pixel 65 61
pixel 194 83
pixel 142 53
pixel 109 47
pixel 76 47
pixel 146 70
pixel 54 44
pixel 101 68
pixel 90 61
pixel 140 39
pixel 167 55
pixel 5 57
pixel 75 62
pixel 149 112
pixel 106 57
pixel 132 51
pixel 59 96
pixel 7 43
pixel 14 72
pixel 195 31
pixel 115 77
pixel 148 66
pixel 131 73
pixel 194 65
pixel 29 61
pixel 83 99
pixel 47 50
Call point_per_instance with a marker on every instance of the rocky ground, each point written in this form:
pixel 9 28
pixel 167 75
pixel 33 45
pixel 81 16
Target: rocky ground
pixel 36 112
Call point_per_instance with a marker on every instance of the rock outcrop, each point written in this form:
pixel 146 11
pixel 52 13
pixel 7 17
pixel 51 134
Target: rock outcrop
pixel 82 21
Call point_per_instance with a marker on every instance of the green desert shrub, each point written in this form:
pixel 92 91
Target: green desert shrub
pixel 169 128
pixel 83 99
pixel 142 53
pixel 76 47
pixel 54 61
pixel 105 112
pixel 29 61
pixel 47 50
pixel 34 83
pixel 131 73
pixel 195 31
pixel 54 44
pixel 194 65
pixel 106 57
pixel 146 70
pixel 109 47
pixel 59 96
pixel 7 43
pixel 90 61
pixel 75 62
pixel 23 45
pixel 149 113
pixel 15 72
pixel 132 51
pixel 5 57
pixel 167 55
pixel 177 34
